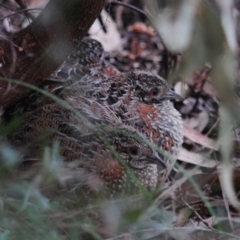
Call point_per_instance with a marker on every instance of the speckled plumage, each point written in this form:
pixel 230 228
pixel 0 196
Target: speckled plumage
pixel 95 155
pixel 137 101
pixel 88 58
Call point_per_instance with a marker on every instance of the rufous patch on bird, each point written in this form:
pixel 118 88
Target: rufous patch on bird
pixel 111 169
pixel 147 112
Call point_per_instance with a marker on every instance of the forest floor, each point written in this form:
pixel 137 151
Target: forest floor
pixel 193 206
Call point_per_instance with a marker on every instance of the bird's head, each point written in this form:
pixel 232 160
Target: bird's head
pixel 89 51
pixel 133 150
pixel 150 88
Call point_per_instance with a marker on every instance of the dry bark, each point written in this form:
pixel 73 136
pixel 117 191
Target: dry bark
pixel 33 53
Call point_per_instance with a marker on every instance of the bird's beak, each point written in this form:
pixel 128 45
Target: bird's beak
pixel 158 160
pixel 105 54
pixel 171 95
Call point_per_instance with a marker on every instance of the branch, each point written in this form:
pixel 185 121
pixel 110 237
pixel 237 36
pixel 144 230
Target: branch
pixel 33 53
pixel 128 6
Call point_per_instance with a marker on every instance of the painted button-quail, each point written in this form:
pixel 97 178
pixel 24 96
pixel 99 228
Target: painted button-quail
pixel 137 100
pixel 107 156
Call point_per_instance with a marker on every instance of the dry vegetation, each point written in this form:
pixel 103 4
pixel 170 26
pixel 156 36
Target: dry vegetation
pixel 195 46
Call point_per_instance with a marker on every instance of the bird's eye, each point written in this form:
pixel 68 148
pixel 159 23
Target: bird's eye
pixel 154 92
pixel 133 150
pixel 99 54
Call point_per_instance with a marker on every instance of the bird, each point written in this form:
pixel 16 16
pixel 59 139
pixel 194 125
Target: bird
pixel 107 156
pixel 137 101
pixel 138 98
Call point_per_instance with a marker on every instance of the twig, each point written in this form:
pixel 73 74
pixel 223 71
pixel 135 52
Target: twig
pixel 128 6
pixel 213 126
pixel 1 36
pixel 20 11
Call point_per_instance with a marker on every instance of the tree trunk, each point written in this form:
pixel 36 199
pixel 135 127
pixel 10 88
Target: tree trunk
pixel 36 51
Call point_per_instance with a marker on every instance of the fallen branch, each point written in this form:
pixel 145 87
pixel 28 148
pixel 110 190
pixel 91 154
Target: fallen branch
pixel 33 53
